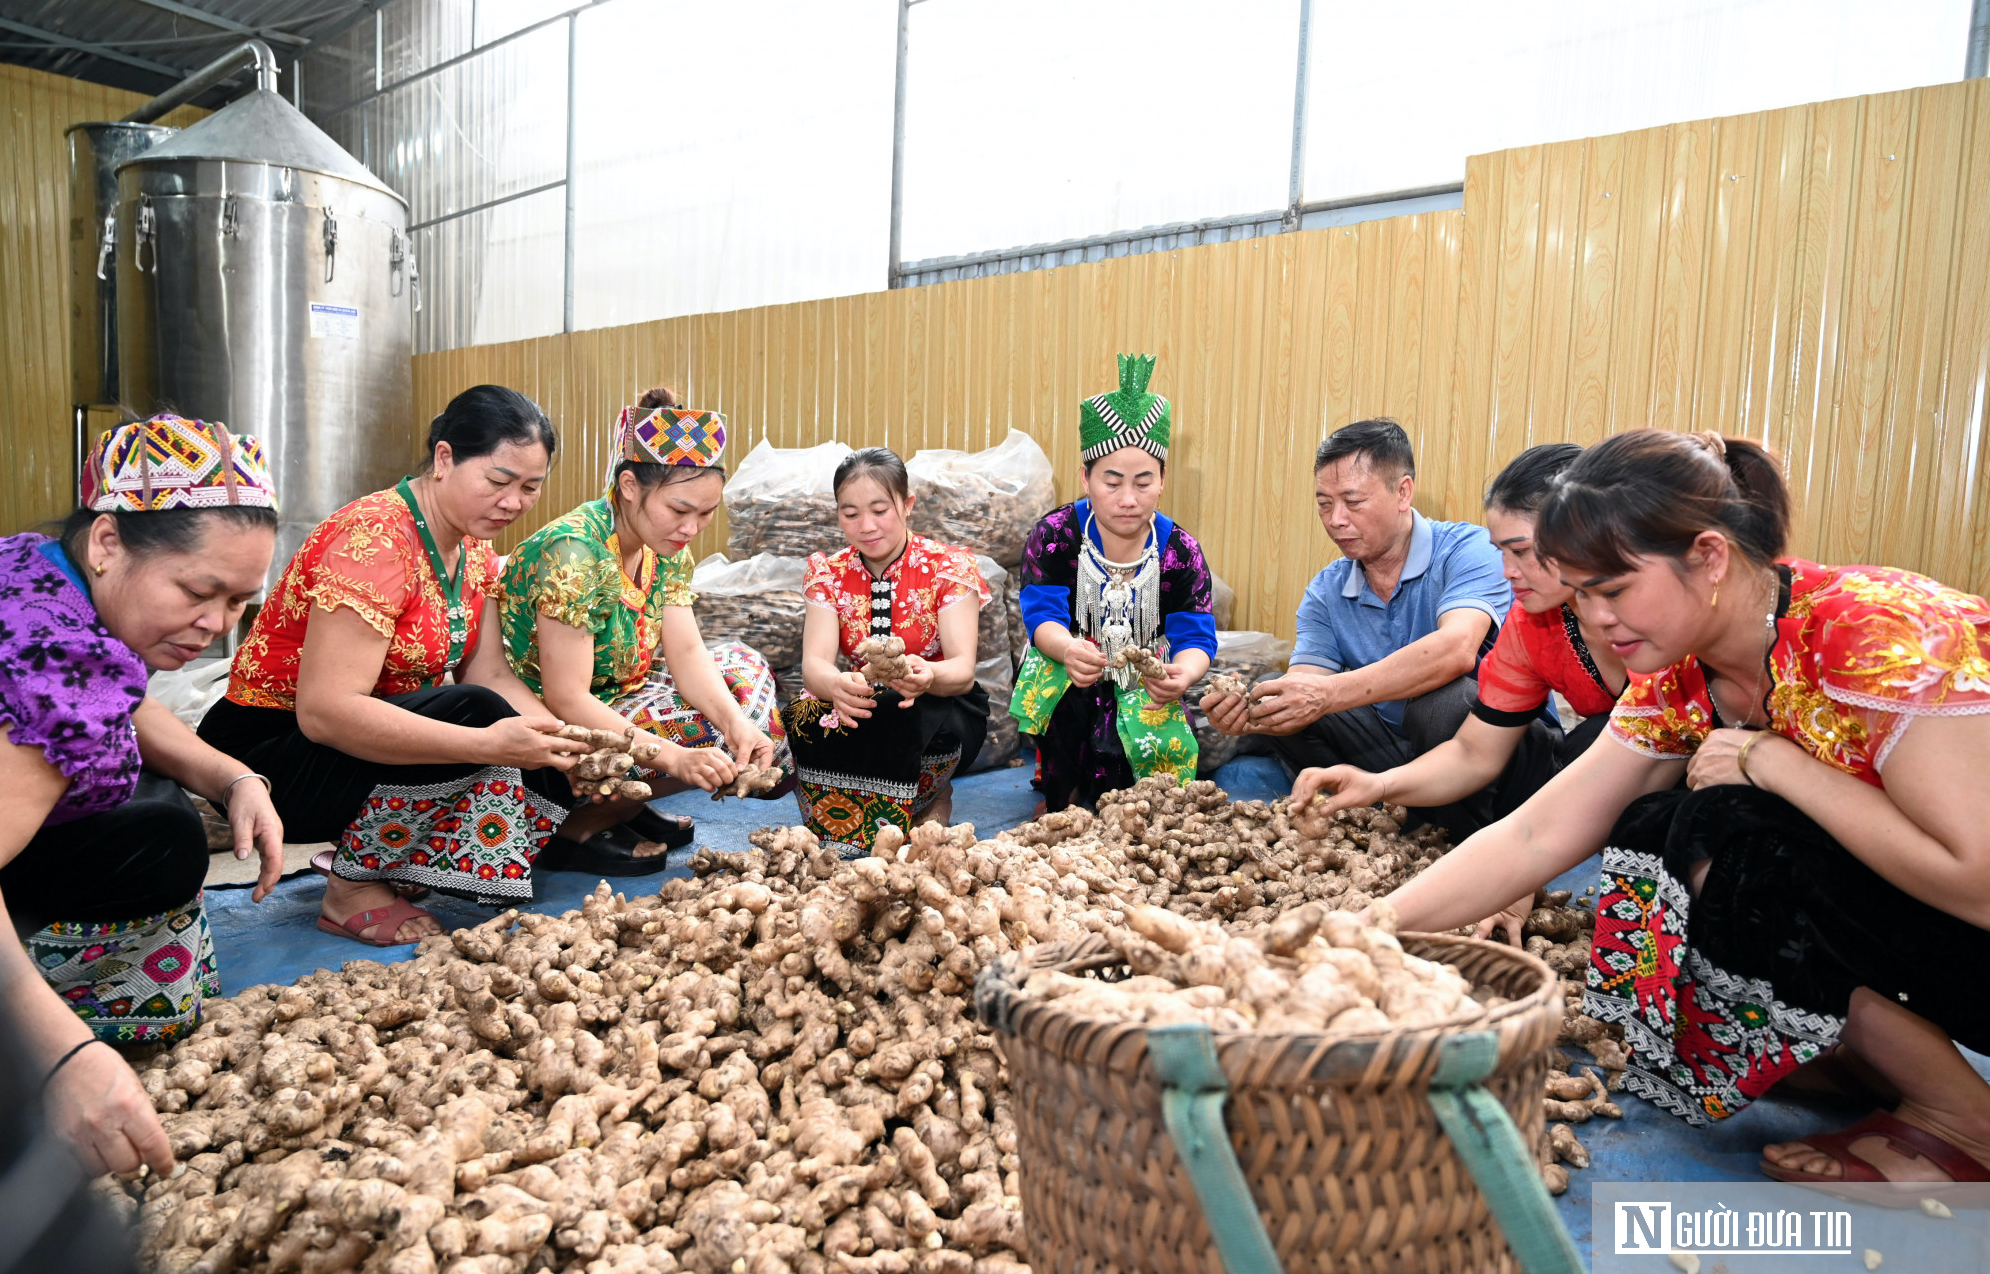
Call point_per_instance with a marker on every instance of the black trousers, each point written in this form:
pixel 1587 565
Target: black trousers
pixel 1361 738
pixel 318 789
pixel 146 856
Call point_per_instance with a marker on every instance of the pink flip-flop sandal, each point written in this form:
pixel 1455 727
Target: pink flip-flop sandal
pixel 389 918
pixel 321 862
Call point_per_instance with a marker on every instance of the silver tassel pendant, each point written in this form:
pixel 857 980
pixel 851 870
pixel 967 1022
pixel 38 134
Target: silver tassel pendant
pixel 1119 603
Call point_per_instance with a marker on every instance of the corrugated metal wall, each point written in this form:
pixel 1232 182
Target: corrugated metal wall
pixel 1815 276
pixel 35 108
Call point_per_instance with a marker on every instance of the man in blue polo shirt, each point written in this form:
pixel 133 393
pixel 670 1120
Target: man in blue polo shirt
pixel 1391 635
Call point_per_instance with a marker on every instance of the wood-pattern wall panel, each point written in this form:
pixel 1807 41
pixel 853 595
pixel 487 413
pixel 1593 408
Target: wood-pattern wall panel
pixel 1811 276
pixel 1256 372
pixel 35 109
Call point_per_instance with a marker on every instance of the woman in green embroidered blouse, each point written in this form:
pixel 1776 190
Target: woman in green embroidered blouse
pixel 591 600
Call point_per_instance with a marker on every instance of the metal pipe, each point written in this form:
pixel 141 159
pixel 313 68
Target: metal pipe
pixel 573 160
pixel 1977 64
pixel 250 52
pixel 1296 192
pixel 898 147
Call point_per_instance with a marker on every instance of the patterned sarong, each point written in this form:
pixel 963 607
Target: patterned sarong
pixel 1157 741
pixel 474 838
pixel 657 707
pixel 133 981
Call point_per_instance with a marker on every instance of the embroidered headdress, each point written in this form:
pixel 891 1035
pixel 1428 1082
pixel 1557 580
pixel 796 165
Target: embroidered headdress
pixel 668 435
pixel 169 462
pixel 1127 417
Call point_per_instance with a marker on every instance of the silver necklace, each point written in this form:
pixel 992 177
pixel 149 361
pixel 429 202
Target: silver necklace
pixel 1119 603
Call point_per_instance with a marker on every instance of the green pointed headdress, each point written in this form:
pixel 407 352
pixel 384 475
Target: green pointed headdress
pixel 1127 417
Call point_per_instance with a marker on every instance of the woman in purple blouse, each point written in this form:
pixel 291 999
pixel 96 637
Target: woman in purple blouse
pixel 1101 578
pixel 101 853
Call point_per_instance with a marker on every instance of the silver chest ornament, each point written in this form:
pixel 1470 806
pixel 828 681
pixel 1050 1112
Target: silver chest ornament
pixel 1119 603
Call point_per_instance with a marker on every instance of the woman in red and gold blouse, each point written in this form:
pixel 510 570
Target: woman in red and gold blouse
pixel 337 693
pixel 1824 876
pixel 870 754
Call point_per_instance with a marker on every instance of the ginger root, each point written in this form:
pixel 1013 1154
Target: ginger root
pixel 770 1067
pixel 1145 663
pixel 882 660
pixel 752 781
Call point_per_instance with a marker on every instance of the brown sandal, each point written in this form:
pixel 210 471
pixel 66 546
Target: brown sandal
pixel 1904 1137
pixel 390 917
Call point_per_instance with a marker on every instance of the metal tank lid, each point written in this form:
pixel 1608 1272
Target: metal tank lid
pixel 262 128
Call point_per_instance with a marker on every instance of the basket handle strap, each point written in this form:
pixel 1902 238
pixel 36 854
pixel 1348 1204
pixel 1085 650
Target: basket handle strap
pixel 1485 1137
pixel 1192 1097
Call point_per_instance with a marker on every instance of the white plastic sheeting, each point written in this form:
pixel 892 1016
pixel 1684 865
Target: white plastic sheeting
pixel 1031 121
pixel 739 154
pixel 731 155
pixel 1402 93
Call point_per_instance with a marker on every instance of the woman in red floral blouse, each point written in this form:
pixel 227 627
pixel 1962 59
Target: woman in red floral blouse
pixel 338 696
pixel 869 754
pixel 1824 877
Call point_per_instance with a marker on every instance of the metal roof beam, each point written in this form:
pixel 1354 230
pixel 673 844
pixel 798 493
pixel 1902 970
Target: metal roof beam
pixel 225 24
pixel 364 9
pixel 94 50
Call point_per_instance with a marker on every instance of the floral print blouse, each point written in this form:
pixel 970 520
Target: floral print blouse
pixel 1860 652
pixel 66 685
pixel 927 578
pixel 367 557
pixel 570 570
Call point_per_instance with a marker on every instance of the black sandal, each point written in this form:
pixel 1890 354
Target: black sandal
pixel 609 852
pixel 672 831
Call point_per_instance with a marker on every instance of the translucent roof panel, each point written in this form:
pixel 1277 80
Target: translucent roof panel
pixel 1030 121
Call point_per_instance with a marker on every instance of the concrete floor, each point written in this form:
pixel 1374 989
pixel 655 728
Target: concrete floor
pixel 278 941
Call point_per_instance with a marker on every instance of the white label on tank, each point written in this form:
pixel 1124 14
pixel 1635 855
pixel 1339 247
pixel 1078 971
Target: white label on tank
pixel 340 322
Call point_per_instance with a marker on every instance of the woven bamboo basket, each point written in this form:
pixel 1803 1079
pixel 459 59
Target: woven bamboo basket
pixel 1335 1134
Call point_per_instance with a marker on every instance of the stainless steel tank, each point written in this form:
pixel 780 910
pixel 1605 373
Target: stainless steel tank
pixel 266 279
pixel 95 151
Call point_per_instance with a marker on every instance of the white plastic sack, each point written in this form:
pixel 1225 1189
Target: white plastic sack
pixel 779 501
pixel 1222 601
pixel 988 501
pixel 1251 655
pixel 994 632
pixel 758 601
pixel 1004 741
pixel 192 690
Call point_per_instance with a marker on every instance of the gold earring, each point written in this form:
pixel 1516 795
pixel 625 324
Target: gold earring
pixel 99 569
pixel 1714 602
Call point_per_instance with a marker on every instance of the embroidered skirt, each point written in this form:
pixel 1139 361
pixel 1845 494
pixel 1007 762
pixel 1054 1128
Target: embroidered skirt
pixel 1723 994
pixel 656 706
pixel 471 831
pixel 111 908
pixel 856 775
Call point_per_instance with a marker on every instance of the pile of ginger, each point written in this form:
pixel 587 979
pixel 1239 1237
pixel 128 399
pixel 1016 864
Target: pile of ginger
pixel 1311 970
pixel 772 1066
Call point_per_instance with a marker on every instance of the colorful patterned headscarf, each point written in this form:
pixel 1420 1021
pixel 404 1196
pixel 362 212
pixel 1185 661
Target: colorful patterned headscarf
pixel 668 435
pixel 169 462
pixel 1127 417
